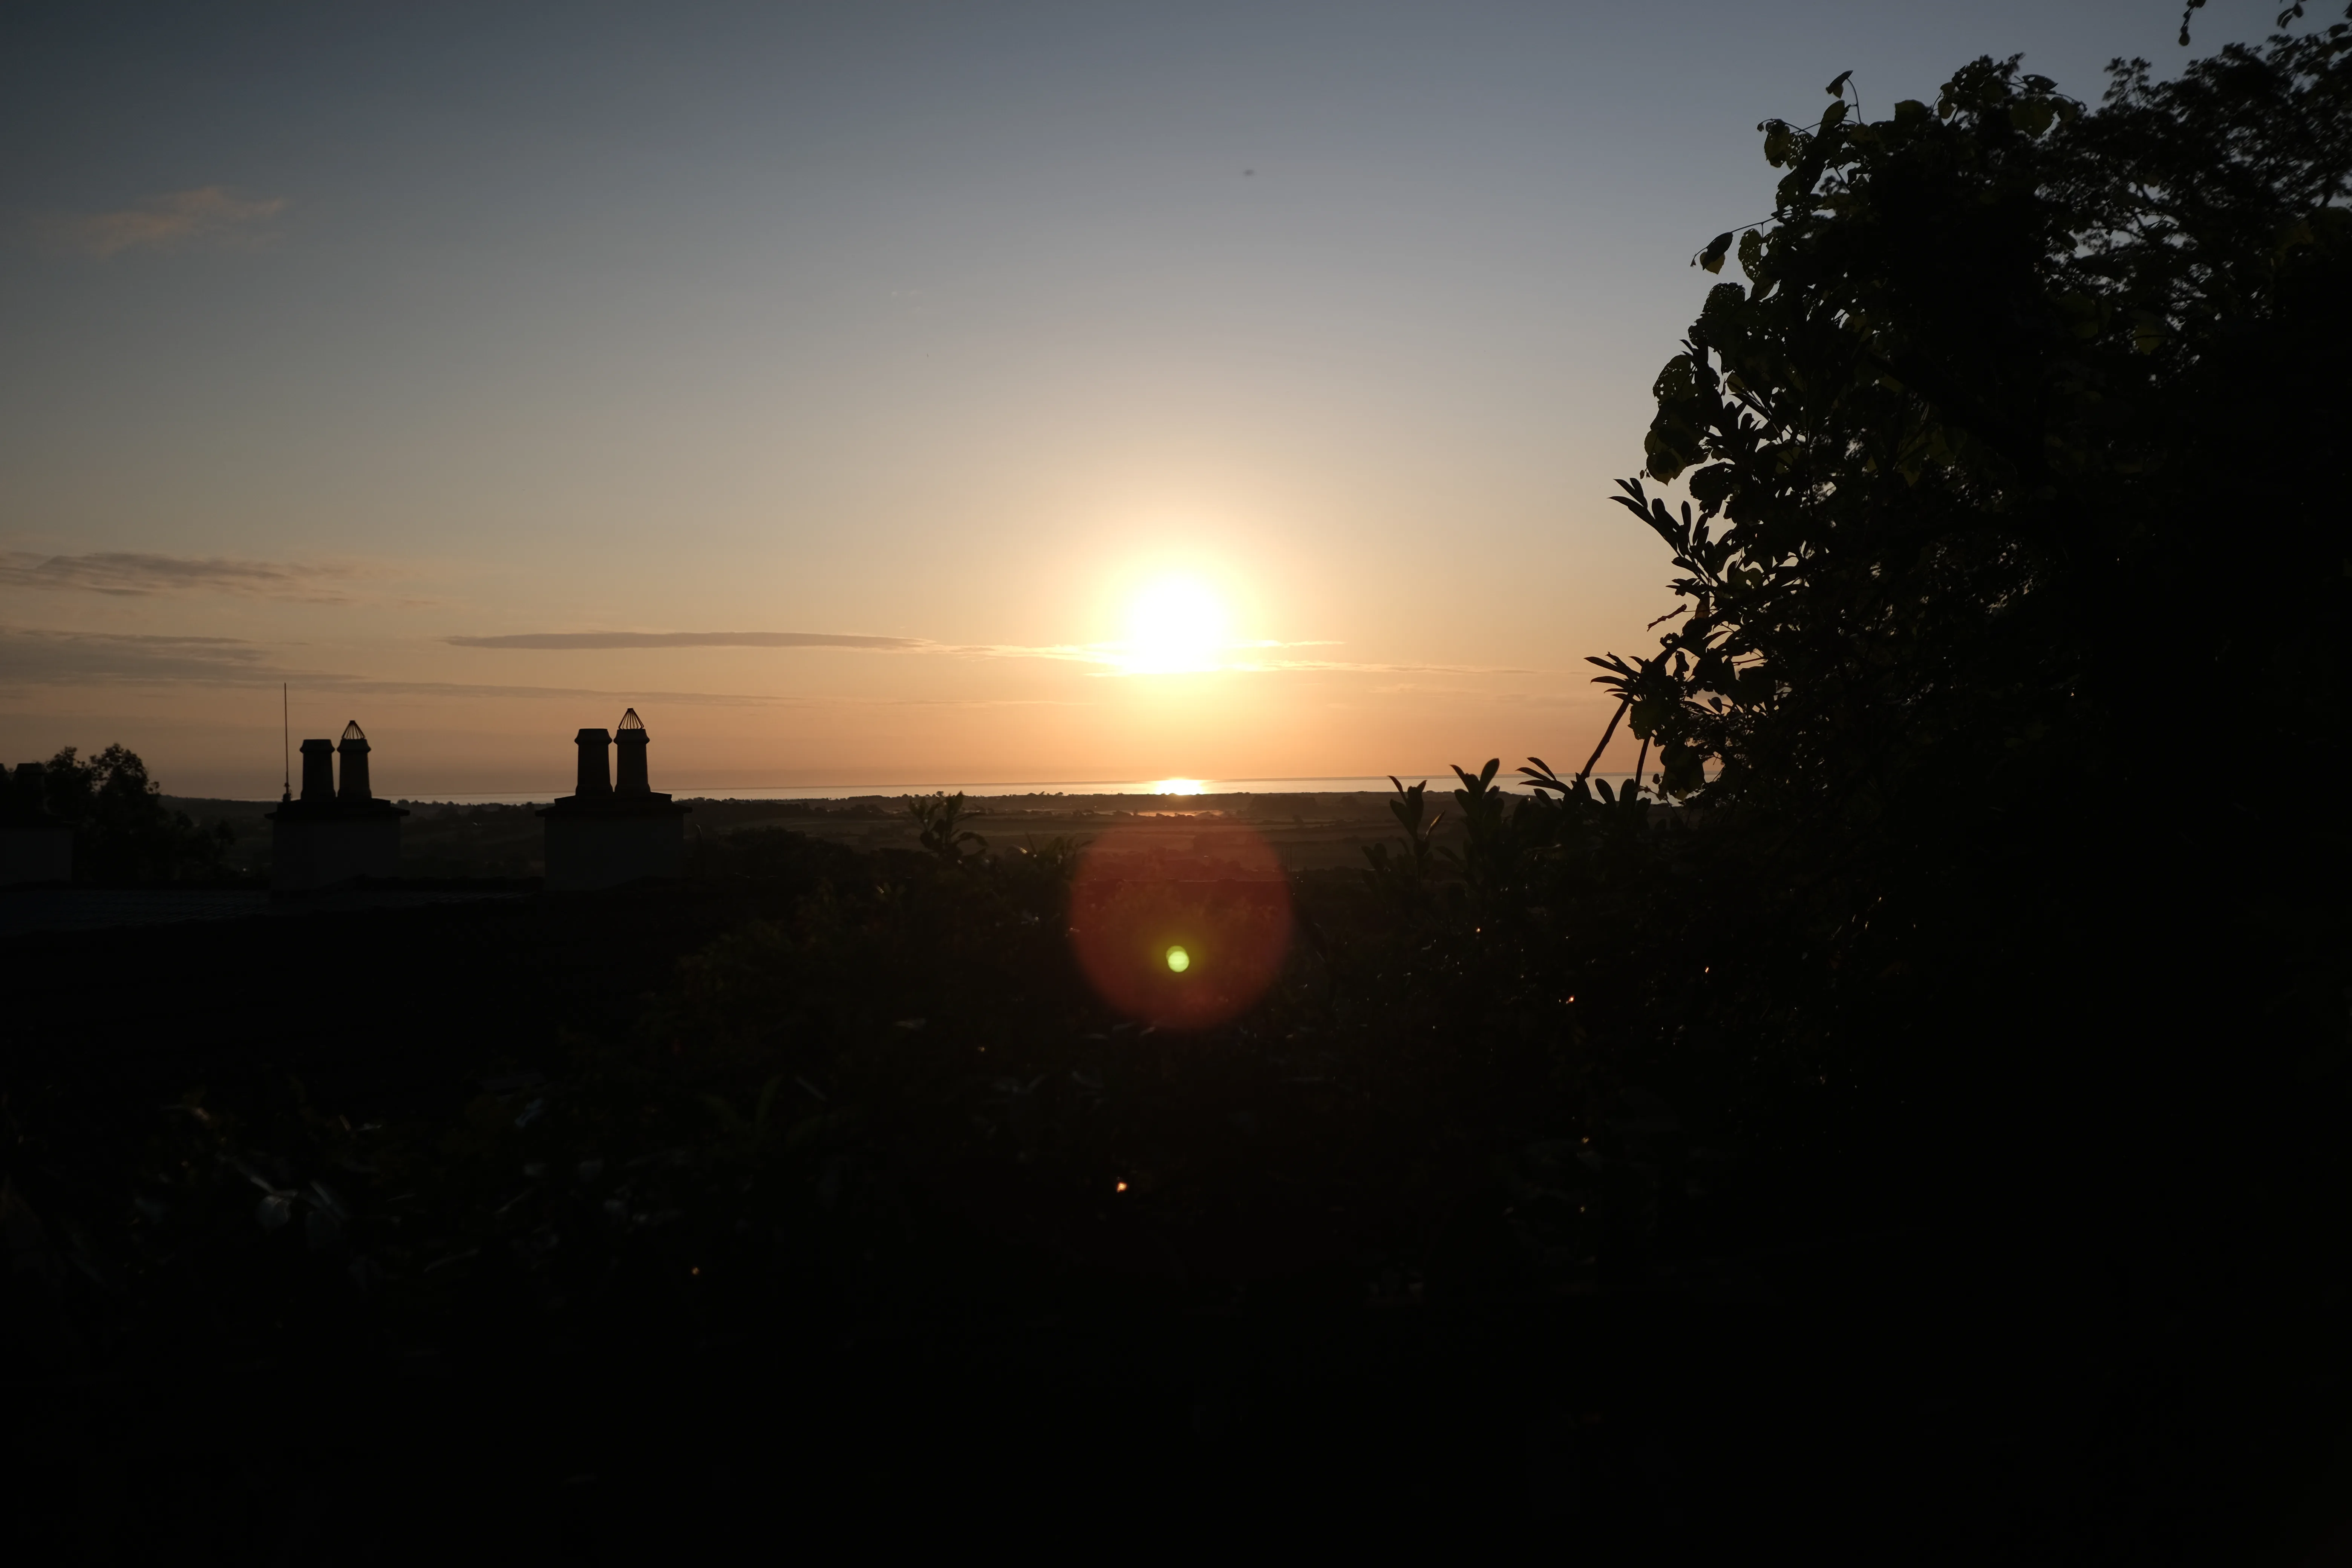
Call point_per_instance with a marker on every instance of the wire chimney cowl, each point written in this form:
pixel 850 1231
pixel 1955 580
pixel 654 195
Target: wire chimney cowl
pixel 630 742
pixel 354 750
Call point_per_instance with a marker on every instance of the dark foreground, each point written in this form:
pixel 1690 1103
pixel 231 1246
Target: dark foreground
pixel 567 1223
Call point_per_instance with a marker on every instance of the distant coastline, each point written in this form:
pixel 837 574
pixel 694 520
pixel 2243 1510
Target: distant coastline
pixel 1440 780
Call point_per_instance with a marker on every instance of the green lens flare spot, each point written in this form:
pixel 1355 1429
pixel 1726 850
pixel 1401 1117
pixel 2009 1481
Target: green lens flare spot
pixel 1179 961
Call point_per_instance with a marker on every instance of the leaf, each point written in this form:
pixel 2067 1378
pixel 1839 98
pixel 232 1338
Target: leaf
pixel 1838 86
pixel 1751 256
pixel 1683 767
pixel 1712 485
pixel 1664 463
pixel 1711 259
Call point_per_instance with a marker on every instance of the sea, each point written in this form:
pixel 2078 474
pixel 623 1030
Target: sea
pixel 1440 780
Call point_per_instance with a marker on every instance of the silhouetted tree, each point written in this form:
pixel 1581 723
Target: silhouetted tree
pixel 942 819
pixel 2016 459
pixel 122 832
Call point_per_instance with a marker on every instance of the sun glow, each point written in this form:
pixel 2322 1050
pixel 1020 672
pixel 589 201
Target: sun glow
pixel 1174 625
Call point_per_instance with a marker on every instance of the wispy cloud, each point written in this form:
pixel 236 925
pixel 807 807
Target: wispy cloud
pixel 1110 659
pixel 1345 666
pixel 1240 658
pixel 48 657
pixel 688 639
pixel 207 215
pixel 136 574
pixel 31 658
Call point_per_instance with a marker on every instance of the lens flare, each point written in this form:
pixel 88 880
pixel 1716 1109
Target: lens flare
pixel 1181 927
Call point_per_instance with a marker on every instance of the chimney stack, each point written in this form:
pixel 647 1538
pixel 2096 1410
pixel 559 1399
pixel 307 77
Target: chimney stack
pixel 631 739
pixel 331 835
pixel 319 770
pixel 600 837
pixel 354 748
pixel 34 846
pixel 28 789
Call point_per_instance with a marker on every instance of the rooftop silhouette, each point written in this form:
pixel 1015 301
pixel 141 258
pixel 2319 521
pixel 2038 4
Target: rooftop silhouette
pixel 334 832
pixel 601 835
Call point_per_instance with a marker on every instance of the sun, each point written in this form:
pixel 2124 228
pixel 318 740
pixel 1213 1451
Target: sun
pixel 1175 625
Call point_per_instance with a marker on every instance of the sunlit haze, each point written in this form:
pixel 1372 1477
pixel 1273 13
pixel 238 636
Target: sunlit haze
pixel 1175 626
pixel 887 393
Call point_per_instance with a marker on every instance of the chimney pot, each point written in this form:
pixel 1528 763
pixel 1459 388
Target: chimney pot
pixel 319 770
pixel 595 762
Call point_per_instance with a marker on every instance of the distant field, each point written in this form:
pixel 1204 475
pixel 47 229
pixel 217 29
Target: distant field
pixel 1308 831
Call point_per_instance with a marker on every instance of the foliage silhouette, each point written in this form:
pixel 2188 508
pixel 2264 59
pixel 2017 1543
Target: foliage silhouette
pixel 122 833
pixel 942 817
pixel 1959 447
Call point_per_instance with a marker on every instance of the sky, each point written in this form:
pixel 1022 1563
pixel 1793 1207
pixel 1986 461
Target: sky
pixel 874 393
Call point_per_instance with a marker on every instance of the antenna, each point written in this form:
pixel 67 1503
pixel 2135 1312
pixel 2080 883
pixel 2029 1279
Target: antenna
pixel 286 732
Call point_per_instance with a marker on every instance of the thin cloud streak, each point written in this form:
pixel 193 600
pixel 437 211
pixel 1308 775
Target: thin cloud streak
pixel 140 574
pixel 1344 667
pixel 569 640
pixel 1113 657
pixel 42 658
pixel 36 657
pixel 204 215
pixel 39 658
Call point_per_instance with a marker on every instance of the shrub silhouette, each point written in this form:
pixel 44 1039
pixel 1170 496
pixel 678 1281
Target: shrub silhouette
pixel 1997 462
pixel 122 833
